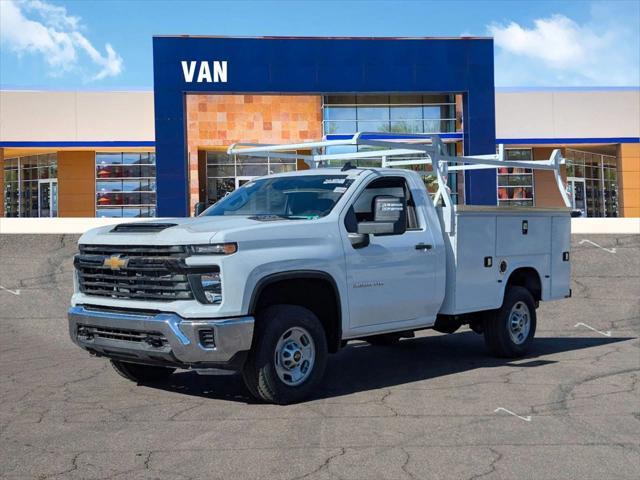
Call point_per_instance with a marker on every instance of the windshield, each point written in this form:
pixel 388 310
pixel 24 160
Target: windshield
pixel 291 197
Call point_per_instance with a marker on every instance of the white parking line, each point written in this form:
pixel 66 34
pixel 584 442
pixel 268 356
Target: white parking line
pixel 609 250
pixel 526 419
pixel 606 334
pixel 14 292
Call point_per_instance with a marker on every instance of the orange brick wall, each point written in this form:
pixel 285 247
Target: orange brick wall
pixel 76 184
pixel 545 186
pixel 1 182
pixel 220 120
pixel 629 179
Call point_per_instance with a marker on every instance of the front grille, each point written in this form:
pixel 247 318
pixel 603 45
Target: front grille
pixel 145 275
pixel 155 339
pixel 135 250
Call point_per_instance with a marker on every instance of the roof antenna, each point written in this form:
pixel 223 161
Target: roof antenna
pixel 347 166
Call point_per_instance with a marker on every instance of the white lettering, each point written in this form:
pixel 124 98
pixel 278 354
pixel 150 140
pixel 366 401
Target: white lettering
pixel 204 73
pixel 220 71
pixel 188 71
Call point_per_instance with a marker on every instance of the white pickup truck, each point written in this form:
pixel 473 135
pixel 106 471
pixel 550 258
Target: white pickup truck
pixel 290 267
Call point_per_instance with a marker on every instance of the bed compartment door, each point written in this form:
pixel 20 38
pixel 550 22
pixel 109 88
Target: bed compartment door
pixel 523 235
pixel 476 284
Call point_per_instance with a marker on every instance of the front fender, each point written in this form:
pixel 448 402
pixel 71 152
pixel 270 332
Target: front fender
pixel 265 274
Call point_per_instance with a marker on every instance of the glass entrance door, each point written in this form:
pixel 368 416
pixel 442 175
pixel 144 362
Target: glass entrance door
pixel 48 198
pixel 576 190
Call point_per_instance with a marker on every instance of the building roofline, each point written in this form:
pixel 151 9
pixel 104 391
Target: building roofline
pixel 150 89
pixel 568 89
pixel 77 90
pixel 318 37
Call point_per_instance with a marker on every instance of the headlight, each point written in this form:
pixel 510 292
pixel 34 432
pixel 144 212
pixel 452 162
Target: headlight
pixel 211 287
pixel 215 249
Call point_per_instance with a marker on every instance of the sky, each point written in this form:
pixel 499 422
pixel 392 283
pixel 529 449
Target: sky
pixel 106 44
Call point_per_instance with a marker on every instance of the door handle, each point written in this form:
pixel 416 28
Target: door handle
pixel 424 246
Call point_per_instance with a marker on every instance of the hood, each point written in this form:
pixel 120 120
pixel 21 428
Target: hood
pixel 197 230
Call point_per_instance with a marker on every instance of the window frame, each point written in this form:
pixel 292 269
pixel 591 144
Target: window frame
pixel 508 202
pixel 408 195
pixel 29 171
pixel 146 160
pixel 387 103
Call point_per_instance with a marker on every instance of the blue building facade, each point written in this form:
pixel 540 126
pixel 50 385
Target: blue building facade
pixel 185 66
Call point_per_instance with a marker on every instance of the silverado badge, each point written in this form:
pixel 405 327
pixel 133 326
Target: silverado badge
pixel 114 262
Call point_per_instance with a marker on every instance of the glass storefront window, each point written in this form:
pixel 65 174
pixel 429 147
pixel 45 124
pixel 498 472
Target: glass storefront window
pixel 339 113
pixel 125 184
pixel 405 113
pixel 380 113
pixel 406 126
pixel 425 170
pixel 599 174
pixel 515 185
pixel 226 172
pixel 347 114
pixel 332 128
pixel 30 186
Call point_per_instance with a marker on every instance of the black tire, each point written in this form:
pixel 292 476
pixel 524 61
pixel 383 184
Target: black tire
pixel 384 339
pixel 259 372
pixel 497 335
pixel 141 373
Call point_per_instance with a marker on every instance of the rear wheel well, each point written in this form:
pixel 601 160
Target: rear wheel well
pixel 528 278
pixel 316 293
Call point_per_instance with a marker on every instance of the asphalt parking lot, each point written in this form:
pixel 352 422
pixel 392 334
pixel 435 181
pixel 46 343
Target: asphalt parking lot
pixel 436 406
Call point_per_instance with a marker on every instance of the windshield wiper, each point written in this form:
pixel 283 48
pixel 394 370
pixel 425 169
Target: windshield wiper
pixel 266 217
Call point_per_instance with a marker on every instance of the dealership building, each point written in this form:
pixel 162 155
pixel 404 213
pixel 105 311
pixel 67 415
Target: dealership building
pixel 157 153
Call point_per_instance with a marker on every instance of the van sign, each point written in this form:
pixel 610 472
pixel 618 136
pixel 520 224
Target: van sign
pixel 207 72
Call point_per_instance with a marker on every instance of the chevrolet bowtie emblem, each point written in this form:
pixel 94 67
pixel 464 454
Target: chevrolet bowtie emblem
pixel 114 262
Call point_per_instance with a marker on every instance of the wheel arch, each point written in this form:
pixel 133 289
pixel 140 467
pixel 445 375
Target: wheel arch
pixel 312 289
pixel 527 277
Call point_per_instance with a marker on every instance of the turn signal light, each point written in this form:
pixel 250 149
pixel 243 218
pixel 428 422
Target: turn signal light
pixel 215 249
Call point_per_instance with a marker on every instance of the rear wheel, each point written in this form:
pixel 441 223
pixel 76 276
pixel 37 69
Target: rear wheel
pixel 288 357
pixel 510 331
pixel 141 373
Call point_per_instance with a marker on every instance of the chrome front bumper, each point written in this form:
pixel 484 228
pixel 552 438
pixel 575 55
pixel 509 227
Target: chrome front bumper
pixel 173 341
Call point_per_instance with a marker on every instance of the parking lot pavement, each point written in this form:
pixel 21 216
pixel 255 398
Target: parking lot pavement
pixel 436 406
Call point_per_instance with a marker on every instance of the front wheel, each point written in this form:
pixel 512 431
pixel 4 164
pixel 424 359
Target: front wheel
pixel 288 355
pixel 510 330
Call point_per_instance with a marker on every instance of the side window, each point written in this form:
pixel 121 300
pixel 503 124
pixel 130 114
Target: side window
pixel 362 208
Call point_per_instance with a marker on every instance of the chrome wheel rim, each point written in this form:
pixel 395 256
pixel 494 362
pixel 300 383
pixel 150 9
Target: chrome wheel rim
pixel 294 356
pixel 519 323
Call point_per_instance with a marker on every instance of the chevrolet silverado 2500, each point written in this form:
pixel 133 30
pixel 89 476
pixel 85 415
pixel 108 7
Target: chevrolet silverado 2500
pixel 289 267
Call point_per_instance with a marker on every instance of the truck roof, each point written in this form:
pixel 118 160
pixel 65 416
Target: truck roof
pixel 355 171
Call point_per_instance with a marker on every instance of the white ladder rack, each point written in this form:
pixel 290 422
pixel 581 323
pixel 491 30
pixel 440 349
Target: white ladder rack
pixel 425 149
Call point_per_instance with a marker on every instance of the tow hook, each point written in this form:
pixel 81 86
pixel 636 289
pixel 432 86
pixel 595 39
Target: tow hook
pixel 154 342
pixel 85 333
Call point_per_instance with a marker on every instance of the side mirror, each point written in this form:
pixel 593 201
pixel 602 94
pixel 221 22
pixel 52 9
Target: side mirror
pixel 199 208
pixel 389 217
pixel 576 213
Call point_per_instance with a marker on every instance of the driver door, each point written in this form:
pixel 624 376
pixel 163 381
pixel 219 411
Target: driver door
pixel 390 280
